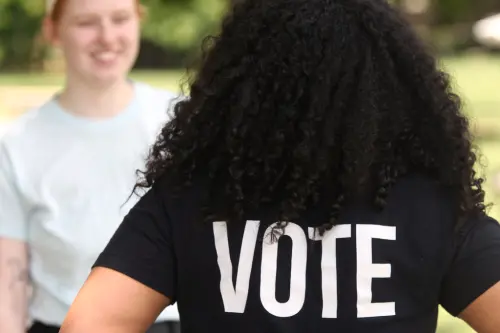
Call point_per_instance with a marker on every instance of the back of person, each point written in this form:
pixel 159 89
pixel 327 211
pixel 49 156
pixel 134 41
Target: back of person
pixel 320 177
pixel 374 272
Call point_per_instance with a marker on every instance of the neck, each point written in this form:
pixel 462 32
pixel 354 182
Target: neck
pixel 96 101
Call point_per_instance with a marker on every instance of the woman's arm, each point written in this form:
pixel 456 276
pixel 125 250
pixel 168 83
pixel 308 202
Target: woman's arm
pixel 483 315
pixel 134 277
pixel 14 283
pixel 471 287
pixel 111 302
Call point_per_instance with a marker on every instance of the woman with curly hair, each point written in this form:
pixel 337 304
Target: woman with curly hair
pixel 319 178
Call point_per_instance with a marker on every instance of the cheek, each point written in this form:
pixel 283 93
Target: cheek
pixel 78 50
pixel 79 41
pixel 131 34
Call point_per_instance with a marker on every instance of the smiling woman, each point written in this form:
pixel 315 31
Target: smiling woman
pixel 100 41
pixel 68 166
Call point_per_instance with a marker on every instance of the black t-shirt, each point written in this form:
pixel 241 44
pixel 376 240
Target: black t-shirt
pixel 374 272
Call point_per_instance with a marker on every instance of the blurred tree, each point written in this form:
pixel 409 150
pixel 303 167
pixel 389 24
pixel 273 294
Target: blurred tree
pixel 447 24
pixel 19 28
pixel 461 11
pixel 181 24
pixel 234 2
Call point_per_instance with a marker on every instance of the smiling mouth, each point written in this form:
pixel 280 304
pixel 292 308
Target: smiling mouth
pixel 106 56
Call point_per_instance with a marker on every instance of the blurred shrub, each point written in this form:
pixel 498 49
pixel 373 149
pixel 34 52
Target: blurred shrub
pixel 19 28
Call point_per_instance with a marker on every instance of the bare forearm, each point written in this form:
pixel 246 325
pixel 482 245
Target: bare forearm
pixel 14 282
pixel 11 325
pixel 80 328
pixel 13 308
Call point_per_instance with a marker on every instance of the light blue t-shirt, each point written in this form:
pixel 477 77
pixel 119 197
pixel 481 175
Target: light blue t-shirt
pixel 64 185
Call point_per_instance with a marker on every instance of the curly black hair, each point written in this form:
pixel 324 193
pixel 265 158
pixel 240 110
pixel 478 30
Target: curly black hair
pixel 293 95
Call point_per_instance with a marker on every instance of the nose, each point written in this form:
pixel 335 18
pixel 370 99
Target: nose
pixel 107 33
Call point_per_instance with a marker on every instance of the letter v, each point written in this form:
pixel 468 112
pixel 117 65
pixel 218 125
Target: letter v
pixel 235 299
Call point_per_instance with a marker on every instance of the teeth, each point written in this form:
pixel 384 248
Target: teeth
pixel 105 56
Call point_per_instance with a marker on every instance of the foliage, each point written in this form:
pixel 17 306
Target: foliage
pixel 181 24
pixel 19 27
pixel 174 25
pixel 457 11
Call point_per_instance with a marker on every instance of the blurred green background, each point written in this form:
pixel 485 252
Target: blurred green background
pixel 30 72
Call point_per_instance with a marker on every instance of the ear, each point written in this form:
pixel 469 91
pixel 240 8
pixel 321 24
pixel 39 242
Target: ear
pixel 143 12
pixel 50 31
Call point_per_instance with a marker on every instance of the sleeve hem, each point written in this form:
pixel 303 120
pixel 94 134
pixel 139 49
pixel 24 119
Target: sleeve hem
pixel 139 273
pixel 461 306
pixel 475 270
pixel 13 235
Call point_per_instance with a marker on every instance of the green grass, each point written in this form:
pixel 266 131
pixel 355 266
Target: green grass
pixel 167 79
pixel 13 86
pixel 476 78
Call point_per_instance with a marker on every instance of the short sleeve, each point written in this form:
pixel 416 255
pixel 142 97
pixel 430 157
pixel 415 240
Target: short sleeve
pixel 142 248
pixel 475 267
pixel 13 213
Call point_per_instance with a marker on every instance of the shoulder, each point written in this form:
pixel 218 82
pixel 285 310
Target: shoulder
pixel 157 104
pixel 26 128
pixel 422 203
pixel 425 199
pixel 155 95
pixel 178 194
pixel 21 139
pixel 422 188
